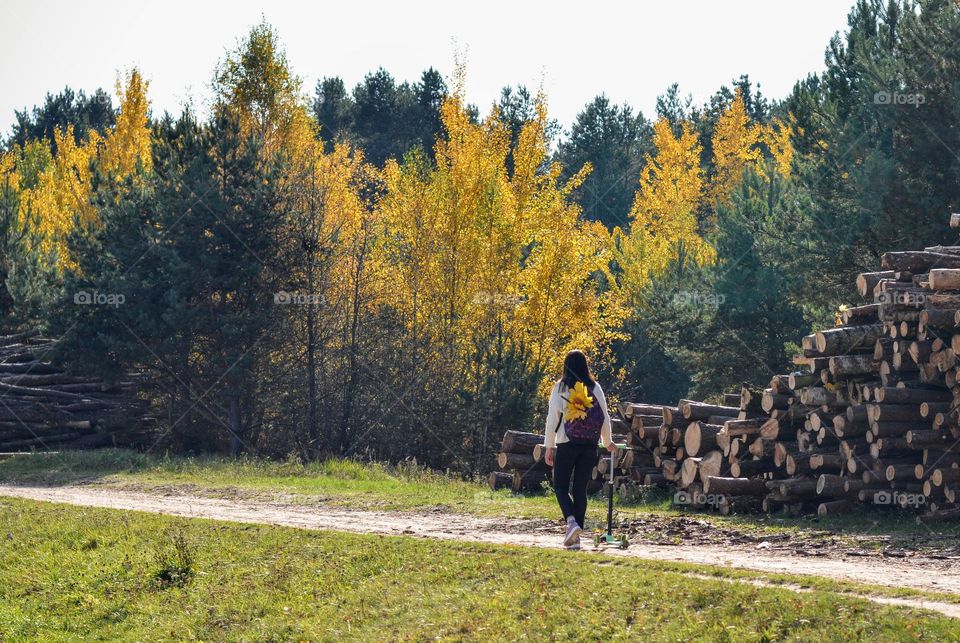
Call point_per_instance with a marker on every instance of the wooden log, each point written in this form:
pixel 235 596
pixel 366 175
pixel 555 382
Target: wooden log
pixel 693 410
pixel 797 488
pixel 942 515
pixel 870 477
pixel 852 486
pixel 520 442
pixel 670 468
pixel 739 505
pixel 776 430
pixel 829 484
pixel 826 462
pixel 918 261
pixel 700 437
pixel 850 448
pixel 866 314
pixel 688 472
pixel 538 452
pixel 821 418
pixel 819 396
pixel 528 481
pixel 772 400
pixel 671 414
pixel 929 439
pixel 780 452
pixel 731 399
pixel 654 479
pixel 797 463
pixel 943 475
pixel 845 339
pixel 750 398
pixel 893 412
pixel 894 429
pixel 520 461
pixel 644 409
pixel 867 281
pixel 942 300
pixel 711 464
pixel 639 422
pixel 44 442
pixel 834 507
pixel 31 367
pixel 799 380
pixel 499 480
pixel 901 472
pixel 943 318
pixel 748 468
pixel 851 365
pixel 37 380
pixel 930 409
pixel 761 448
pixel 905 395
pixel 844 428
pixel 734 486
pixel 857 413
pixel 748 427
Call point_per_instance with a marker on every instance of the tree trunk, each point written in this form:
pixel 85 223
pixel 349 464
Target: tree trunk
pixel 236 430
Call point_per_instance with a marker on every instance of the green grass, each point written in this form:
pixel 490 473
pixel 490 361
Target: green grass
pixel 70 573
pixel 336 481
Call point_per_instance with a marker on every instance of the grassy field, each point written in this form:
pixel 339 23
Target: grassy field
pixel 339 482
pixel 354 484
pixel 74 573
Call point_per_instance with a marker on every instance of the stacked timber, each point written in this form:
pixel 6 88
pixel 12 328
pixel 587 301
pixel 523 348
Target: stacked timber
pixel 870 416
pixel 42 407
pixel 521 465
pixel 518 469
pixel 636 427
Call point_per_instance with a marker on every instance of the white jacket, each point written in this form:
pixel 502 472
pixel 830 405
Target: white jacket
pixel 552 435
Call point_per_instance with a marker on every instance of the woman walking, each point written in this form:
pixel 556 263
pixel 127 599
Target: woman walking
pixel 576 419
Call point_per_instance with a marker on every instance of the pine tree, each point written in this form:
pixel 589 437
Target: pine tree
pixel 188 261
pixel 614 142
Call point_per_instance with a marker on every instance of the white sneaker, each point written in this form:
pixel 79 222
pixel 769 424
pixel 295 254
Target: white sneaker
pixel 574 546
pixel 573 534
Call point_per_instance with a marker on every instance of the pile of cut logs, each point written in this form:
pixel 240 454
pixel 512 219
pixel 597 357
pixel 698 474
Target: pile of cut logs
pixel 521 465
pixel 870 416
pixel 44 408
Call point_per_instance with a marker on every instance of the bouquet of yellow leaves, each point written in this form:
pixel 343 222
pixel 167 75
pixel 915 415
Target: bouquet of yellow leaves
pixel 579 403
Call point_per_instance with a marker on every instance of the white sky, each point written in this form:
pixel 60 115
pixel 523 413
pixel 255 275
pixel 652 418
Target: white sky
pixel 632 51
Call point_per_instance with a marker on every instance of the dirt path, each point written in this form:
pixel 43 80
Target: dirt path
pixel 917 572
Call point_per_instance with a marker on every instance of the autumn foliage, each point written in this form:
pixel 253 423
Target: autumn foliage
pixel 469 265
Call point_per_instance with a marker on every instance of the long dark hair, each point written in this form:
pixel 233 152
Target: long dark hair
pixel 575 369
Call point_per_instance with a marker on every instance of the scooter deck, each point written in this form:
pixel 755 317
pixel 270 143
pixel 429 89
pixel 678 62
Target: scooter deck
pixel 621 542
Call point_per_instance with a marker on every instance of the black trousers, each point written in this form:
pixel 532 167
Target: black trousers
pixel 575 461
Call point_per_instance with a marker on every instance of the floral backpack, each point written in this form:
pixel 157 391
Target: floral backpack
pixel 583 417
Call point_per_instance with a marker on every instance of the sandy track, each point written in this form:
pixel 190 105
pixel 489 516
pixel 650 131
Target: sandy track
pixel 916 572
